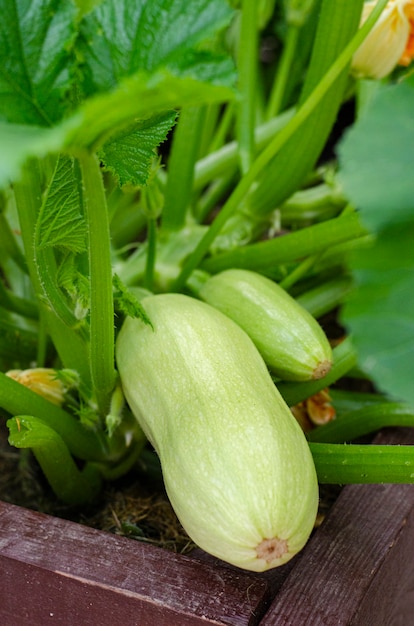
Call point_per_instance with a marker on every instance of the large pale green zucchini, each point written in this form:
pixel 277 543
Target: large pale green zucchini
pixel 289 339
pixel 236 465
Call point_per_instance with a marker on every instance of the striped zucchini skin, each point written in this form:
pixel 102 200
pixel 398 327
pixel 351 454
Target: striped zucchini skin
pixel 290 340
pixel 236 465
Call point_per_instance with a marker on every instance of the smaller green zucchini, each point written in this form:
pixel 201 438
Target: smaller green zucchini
pixel 290 340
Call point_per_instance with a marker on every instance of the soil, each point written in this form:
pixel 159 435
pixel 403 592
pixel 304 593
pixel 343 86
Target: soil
pixel 135 506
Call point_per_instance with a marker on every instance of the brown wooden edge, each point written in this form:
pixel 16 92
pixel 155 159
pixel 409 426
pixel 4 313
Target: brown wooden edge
pixel 356 570
pixel 59 572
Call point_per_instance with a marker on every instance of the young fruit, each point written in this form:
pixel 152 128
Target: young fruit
pixel 290 340
pixel 236 465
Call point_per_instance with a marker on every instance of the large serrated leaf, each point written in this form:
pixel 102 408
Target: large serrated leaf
pixel 35 41
pixel 60 223
pixel 164 71
pixel 102 117
pixel 129 154
pixel 142 95
pixel 120 38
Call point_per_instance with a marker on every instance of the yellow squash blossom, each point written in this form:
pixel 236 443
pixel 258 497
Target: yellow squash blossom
pixel 45 382
pixel 389 43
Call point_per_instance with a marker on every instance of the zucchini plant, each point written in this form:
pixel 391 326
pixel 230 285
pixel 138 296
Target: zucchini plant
pixel 157 153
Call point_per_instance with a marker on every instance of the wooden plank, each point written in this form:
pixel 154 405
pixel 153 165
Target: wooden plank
pixel 274 577
pixel 59 572
pixel 390 597
pixel 358 568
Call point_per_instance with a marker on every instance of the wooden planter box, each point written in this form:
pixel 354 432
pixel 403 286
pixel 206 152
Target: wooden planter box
pixel 357 569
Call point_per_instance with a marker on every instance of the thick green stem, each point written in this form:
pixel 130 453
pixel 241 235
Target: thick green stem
pixel 326 296
pixel 284 67
pixel 102 335
pixel 42 344
pixel 308 241
pixel 299 272
pixel 315 203
pixel 344 464
pixel 247 66
pixel 224 127
pixel 71 485
pixel 335 256
pixel 185 148
pixel 151 253
pixel 213 196
pixel 211 114
pixel 224 160
pixel 14 303
pixel 363 421
pixel 8 244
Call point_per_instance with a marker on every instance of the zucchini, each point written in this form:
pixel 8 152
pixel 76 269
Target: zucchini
pixel 290 340
pixel 236 465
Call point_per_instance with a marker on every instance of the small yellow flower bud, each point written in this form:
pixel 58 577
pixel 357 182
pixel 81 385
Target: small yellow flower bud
pixel 315 410
pixel 43 381
pixel 389 43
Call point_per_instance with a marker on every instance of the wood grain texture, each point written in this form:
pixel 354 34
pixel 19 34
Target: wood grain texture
pixel 57 572
pixel 358 569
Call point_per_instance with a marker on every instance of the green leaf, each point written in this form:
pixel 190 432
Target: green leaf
pixel 85 6
pixel 60 223
pixel 102 117
pixel 129 154
pixel 127 302
pixel 377 157
pixel 75 283
pixel 151 57
pixel 35 41
pixel 137 97
pixel 379 313
pixel 120 38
